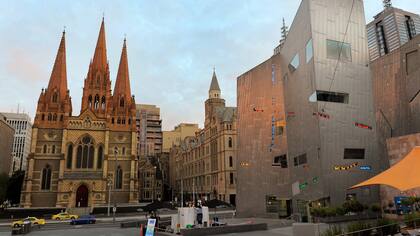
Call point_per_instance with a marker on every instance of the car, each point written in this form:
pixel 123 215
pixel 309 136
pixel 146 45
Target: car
pixel 64 216
pixel 33 220
pixel 87 219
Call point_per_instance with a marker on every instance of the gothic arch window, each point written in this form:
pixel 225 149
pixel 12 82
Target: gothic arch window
pixel 49 117
pixel 69 156
pixel 90 101
pixel 119 178
pixel 46 178
pixel 230 142
pixel 43 117
pixel 96 102
pixel 118 121
pixel 123 121
pixel 122 102
pixel 112 120
pixel 55 97
pixel 44 149
pixel 55 117
pixel 129 121
pixel 123 150
pixel 53 149
pixel 61 117
pixel 85 152
pixel 100 157
pixel 103 103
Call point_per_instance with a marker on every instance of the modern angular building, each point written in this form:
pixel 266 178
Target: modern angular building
pixel 76 159
pixel 306 125
pixel 21 122
pixel 149 130
pixel 396 87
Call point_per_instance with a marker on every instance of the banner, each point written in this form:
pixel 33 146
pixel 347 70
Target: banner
pixel 150 227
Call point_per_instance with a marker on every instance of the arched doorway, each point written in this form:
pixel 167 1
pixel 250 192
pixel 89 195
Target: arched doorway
pixel 82 196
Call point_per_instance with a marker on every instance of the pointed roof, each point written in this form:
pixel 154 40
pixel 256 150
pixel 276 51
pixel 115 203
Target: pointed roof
pixel 214 84
pixel 122 85
pixel 58 79
pixel 99 58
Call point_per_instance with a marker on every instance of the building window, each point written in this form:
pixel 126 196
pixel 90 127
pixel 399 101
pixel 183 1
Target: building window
pixel 44 148
pixel 122 102
pixel 230 161
pixel 309 51
pixel 119 176
pixel 354 153
pixel 411 28
pixel 300 160
pixel 49 117
pixel 90 101
pixel 112 120
pixel 231 178
pixel 103 103
pixel 123 150
pixel 294 64
pixel 338 50
pixel 280 161
pixel 43 117
pixel 411 62
pixel 69 156
pixel 380 37
pixel 61 117
pixel 46 178
pixel 53 149
pixel 96 102
pixel 118 121
pixel 325 96
pixel 85 152
pixel 55 97
pixel 230 142
pixel 100 157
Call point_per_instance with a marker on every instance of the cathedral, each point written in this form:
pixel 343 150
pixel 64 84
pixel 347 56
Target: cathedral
pixel 89 159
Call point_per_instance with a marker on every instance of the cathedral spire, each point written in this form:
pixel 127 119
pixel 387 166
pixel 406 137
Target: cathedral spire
pixel 58 79
pixel 214 91
pixel 122 85
pixel 99 58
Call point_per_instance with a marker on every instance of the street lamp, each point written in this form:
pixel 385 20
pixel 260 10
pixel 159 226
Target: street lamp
pixel 116 180
pixel 109 183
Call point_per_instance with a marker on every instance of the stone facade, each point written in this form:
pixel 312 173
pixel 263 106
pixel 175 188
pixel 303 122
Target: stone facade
pixel 174 137
pixel 75 160
pixel 6 145
pixel 205 164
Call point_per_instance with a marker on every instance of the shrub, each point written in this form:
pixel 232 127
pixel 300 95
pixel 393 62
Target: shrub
pixel 333 231
pixel 412 218
pixel 340 211
pixel 358 226
pixel 353 206
pixel 375 208
pixel 391 228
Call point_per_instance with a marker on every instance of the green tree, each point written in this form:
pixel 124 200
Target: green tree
pixel 14 187
pixel 4 179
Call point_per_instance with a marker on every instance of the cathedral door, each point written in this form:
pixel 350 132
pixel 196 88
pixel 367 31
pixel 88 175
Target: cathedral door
pixel 82 196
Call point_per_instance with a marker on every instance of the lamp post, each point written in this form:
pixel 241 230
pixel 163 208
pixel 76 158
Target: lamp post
pixel 109 183
pixel 116 181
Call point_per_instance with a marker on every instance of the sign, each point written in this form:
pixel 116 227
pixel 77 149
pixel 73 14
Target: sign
pixel 150 227
pixel 365 167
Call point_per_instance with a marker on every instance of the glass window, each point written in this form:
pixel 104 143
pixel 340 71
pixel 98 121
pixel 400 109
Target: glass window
pixel 46 178
pixel 100 157
pixel 294 64
pixel 69 156
pixel 338 50
pixel 300 160
pixel 354 153
pixel 231 178
pixel 309 51
pixel 280 161
pixel 325 96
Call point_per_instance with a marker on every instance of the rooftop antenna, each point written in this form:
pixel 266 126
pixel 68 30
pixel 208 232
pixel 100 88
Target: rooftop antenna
pixel 387 3
pixel 284 31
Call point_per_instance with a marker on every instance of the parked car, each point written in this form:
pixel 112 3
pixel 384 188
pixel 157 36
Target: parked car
pixel 64 216
pixel 87 219
pixel 33 220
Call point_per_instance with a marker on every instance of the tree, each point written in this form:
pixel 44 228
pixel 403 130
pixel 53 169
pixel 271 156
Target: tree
pixel 4 179
pixel 14 187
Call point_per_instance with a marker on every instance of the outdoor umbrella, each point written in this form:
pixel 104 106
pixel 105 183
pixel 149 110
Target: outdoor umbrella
pixel 404 175
pixel 154 206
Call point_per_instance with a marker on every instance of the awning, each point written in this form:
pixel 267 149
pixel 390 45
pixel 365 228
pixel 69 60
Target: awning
pixel 404 175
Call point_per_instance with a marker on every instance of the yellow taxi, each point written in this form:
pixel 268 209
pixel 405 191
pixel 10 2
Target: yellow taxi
pixel 33 220
pixel 64 216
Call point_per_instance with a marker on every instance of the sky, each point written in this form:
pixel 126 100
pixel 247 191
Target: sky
pixel 172 45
